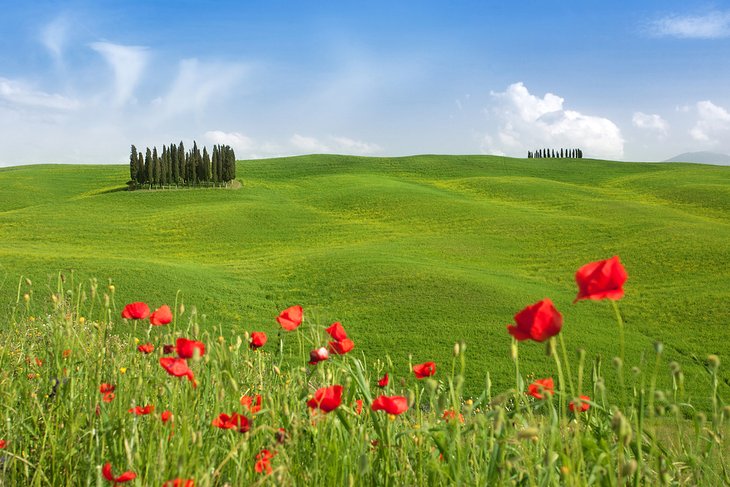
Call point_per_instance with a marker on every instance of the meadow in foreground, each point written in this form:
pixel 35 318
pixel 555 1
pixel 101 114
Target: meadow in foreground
pixel 148 398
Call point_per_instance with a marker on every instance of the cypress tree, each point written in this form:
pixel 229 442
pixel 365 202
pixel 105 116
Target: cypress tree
pixel 206 165
pixel 165 175
pixel 148 167
pixel 173 164
pixel 214 164
pixel 140 168
pixel 156 166
pixel 181 162
pixel 232 170
pixel 133 164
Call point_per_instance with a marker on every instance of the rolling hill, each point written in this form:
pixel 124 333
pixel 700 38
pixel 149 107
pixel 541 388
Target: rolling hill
pixel 411 254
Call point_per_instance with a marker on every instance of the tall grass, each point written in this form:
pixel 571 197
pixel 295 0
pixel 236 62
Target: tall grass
pixel 57 350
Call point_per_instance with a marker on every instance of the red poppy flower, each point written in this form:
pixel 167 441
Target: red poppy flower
pixel 252 403
pixel 327 398
pixel 601 280
pixel 258 340
pixel 263 461
pixel 541 386
pixel 166 416
pixel 168 349
pixel 538 322
pixel 281 436
pixel 108 397
pixel 179 483
pixel 316 356
pixel 104 388
pixel 3 444
pixel 390 404
pixel 383 381
pixel 426 369
pixel 358 406
pixel 583 405
pixel 451 414
pixel 67 353
pixel 146 348
pixel 290 318
pixel 142 410
pixel 38 361
pixel 186 348
pixel 336 331
pixel 125 477
pixel 136 311
pixel 341 347
pixel 177 367
pixel 234 421
pixel 161 316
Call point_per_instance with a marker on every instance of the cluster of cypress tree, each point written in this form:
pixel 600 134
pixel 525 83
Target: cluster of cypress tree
pixel 175 167
pixel 555 154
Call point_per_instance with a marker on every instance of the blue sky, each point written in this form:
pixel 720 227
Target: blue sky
pixel 80 81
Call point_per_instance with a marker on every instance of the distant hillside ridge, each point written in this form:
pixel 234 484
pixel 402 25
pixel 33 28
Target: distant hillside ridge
pixel 702 157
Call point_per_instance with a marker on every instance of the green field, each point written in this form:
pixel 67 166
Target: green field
pixel 410 254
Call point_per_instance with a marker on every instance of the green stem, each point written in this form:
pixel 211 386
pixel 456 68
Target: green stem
pixel 567 365
pixel 561 379
pixel 620 328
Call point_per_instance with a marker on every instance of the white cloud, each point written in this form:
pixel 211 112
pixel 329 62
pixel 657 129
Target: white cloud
pixel 527 122
pixel 709 26
pixel 356 147
pixel 17 93
pixel 54 36
pixel 650 122
pixel 196 84
pixel 128 63
pixel 239 142
pixel 333 144
pixel 712 121
pixel 308 144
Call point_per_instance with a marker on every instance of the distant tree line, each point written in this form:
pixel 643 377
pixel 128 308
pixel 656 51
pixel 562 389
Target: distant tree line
pixel 176 167
pixel 555 154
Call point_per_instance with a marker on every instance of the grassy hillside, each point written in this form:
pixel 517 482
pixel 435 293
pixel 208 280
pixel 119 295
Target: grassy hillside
pixel 411 254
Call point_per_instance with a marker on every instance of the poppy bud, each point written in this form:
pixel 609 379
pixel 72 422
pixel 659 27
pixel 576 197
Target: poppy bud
pixel 713 361
pixel 629 468
pixel 658 347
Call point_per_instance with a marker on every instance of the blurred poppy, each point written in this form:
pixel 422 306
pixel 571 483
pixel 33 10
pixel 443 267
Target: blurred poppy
pixel 104 388
pixel 252 403
pixel 316 356
pixel 603 279
pixel 3 444
pixel 125 477
pixel 426 369
pixel 341 347
pixel 336 331
pixel 540 387
pixel 263 461
pixel 234 421
pixel 168 349
pixel 358 406
pixel 177 367
pixel 583 407
pixel 390 404
pixel 161 316
pixel 538 322
pixel 327 398
pixel 186 348
pixel 290 318
pixel 179 483
pixel 258 340
pixel 383 381
pixel 141 410
pixel 136 311
pixel 451 414
pixel 146 348
pixel 166 416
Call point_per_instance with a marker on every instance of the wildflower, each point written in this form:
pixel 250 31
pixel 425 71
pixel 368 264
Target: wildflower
pixel 186 348
pixel 258 340
pixel 336 331
pixel 383 382
pixel 538 322
pixel 541 386
pixel 122 370
pixel 3 444
pixel 252 403
pixel 290 318
pixel 179 483
pixel 141 410
pixel 168 349
pixel 108 397
pixel 281 436
pixel 316 356
pixel 38 362
pixel 390 404
pixel 146 348
pixel 451 414
pixel 341 347
pixel 327 398
pixel 161 316
pixel 166 416
pixel 583 407
pixel 177 367
pixel 125 477
pixel 358 406
pixel 136 311
pixel 67 353
pixel 263 461
pixel 234 421
pixel 107 391
pixel 426 369
pixel 603 279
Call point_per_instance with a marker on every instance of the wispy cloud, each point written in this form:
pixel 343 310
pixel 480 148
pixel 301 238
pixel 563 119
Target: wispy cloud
pixel 527 122
pixel 712 121
pixel 127 62
pixel 18 93
pixel 712 25
pixel 54 36
pixel 651 122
